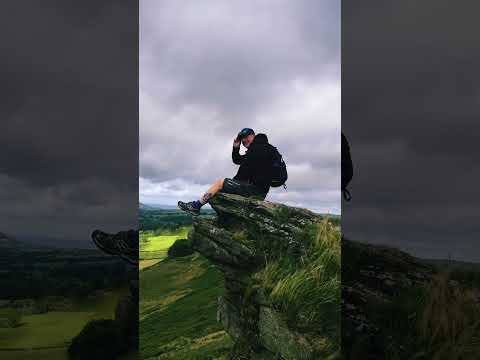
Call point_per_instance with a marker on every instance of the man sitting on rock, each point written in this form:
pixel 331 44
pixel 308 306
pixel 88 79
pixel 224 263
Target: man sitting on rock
pixel 253 177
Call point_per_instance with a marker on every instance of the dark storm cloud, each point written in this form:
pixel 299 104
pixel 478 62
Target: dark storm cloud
pixel 63 119
pixel 410 108
pixel 69 120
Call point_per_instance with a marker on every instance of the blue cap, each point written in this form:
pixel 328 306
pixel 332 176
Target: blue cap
pixel 245 132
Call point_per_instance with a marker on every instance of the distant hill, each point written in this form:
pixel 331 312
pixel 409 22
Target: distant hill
pixel 156 206
pixel 144 206
pixel 453 264
pixel 152 219
pixel 332 216
pixel 7 242
pixel 42 243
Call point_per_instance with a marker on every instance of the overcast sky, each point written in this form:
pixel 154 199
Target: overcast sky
pixel 410 108
pixel 210 68
pixel 69 119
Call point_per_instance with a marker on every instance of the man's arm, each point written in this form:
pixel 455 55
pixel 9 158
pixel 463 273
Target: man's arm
pixel 236 157
pixel 250 163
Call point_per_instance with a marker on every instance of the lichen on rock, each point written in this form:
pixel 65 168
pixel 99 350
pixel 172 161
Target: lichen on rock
pixel 282 277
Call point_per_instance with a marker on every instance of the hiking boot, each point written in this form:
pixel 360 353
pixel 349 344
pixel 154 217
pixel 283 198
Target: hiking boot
pixel 123 244
pixel 189 207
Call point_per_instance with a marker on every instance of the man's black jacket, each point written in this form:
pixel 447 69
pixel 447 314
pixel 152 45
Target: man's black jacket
pixel 256 164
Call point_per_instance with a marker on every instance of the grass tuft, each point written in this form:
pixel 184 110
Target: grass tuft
pixel 307 289
pixel 440 320
pixel 449 323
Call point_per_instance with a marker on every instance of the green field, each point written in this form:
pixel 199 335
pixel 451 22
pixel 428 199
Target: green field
pixel 151 219
pixel 178 296
pixel 46 336
pixel 43 330
pixel 154 248
pixel 178 305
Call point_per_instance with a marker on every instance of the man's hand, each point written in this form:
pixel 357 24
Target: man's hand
pixel 236 157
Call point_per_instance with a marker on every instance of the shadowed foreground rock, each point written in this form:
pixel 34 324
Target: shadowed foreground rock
pixel 108 339
pixel 376 280
pixel 397 306
pixel 245 235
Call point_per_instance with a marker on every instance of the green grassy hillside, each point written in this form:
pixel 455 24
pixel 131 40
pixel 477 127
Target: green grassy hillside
pixel 178 305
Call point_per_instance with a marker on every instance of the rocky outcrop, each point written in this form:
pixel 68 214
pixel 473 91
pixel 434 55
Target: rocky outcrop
pixel 383 289
pixel 240 241
pixel 375 282
pixel 110 338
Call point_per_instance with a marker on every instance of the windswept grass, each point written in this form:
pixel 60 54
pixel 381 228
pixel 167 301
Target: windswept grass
pixel 440 321
pixel 307 289
pixel 449 322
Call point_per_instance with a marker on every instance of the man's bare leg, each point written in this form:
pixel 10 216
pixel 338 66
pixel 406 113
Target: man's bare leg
pixel 212 190
pixel 193 207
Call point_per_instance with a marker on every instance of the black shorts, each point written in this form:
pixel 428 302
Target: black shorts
pixel 231 186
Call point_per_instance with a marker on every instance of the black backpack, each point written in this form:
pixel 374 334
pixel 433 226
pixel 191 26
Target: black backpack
pixel 347 168
pixel 279 170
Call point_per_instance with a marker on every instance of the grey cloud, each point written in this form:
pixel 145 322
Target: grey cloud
pixel 233 54
pixel 209 69
pixel 67 114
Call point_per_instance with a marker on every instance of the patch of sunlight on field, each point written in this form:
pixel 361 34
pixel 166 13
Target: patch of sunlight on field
pixel 212 346
pixel 163 242
pixel 150 307
pixel 160 242
pixel 56 328
pixel 143 264
pixel 209 339
pixel 156 246
pixel 51 329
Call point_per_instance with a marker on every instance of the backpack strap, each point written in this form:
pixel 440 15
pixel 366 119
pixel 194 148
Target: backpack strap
pixel 346 195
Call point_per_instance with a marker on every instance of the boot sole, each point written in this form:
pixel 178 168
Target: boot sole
pixel 117 253
pixel 188 211
pixel 103 248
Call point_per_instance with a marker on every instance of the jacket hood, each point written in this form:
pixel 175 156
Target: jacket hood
pixel 260 139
